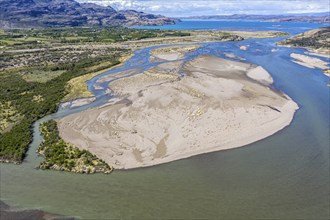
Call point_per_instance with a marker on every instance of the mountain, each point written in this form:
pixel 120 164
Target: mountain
pixel 318 39
pixel 310 14
pixel 323 18
pixel 68 13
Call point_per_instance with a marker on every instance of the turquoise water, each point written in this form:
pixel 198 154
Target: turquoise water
pixel 285 176
pixel 291 27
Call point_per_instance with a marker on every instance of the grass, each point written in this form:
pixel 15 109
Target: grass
pixel 41 76
pixel 108 40
pixel 75 38
pixel 30 39
pixel 22 40
pixel 9 42
pixel 77 87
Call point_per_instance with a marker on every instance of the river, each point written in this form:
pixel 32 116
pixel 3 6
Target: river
pixel 285 176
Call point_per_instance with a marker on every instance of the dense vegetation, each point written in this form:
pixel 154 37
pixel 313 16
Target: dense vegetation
pixel 63 156
pixel 20 93
pixel 35 38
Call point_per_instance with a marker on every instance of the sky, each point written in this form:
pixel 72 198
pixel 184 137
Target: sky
pixel 181 8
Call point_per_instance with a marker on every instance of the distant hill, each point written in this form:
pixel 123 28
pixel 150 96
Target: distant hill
pixel 62 13
pixel 318 39
pixel 319 18
pixel 310 14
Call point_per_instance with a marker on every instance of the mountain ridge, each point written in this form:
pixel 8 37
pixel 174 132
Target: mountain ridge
pixel 271 18
pixel 70 13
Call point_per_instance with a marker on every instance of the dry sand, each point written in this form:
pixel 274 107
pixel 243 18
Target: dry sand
pixel 244 47
pixel 233 56
pixel 161 117
pixel 172 53
pixel 316 53
pixel 309 62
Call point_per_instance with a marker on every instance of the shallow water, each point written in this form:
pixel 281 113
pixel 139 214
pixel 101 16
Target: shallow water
pixel 285 176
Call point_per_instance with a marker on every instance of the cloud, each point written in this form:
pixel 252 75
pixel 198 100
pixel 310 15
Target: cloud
pixel 211 7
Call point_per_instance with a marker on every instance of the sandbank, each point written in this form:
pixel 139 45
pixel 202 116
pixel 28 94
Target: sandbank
pixel 310 62
pixel 172 53
pixel 233 56
pixel 160 116
pixel 77 102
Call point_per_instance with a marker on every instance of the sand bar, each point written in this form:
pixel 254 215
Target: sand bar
pixel 162 117
pixel 310 62
pixel 78 102
pixel 172 53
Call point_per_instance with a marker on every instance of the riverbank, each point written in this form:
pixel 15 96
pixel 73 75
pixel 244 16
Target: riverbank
pixel 77 87
pixel 316 41
pixel 161 117
pixel 311 62
pixel 62 156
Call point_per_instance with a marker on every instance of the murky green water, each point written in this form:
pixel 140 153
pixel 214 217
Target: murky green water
pixel 285 176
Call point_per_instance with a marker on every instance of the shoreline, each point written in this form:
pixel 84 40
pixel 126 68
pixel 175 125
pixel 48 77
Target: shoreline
pixel 82 91
pixel 309 62
pixel 140 136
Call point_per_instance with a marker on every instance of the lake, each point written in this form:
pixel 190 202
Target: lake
pixel 285 176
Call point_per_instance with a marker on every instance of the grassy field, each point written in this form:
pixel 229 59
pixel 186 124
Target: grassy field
pixel 77 87
pixel 41 76
pixel 28 38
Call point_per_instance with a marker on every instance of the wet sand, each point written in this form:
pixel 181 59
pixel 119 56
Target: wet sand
pixel 161 117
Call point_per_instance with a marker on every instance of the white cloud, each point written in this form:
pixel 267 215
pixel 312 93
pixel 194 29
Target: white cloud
pixel 209 7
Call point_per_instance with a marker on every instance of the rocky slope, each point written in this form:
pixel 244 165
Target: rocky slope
pixel 62 13
pixel 317 39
